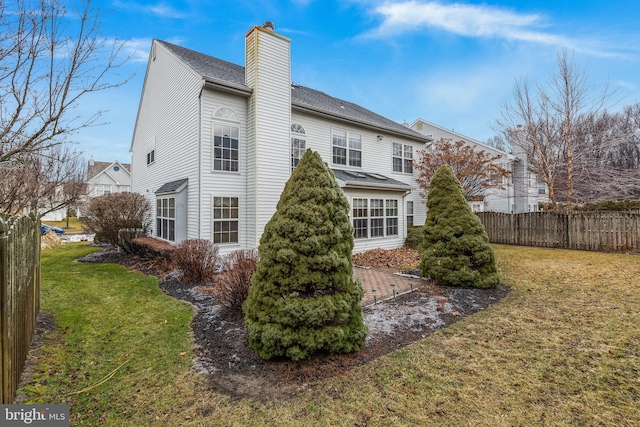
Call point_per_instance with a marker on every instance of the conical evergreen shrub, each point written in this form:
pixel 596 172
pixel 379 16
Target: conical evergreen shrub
pixel 455 250
pixel 302 299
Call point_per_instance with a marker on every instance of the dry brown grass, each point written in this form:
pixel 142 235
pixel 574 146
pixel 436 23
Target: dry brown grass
pixel 562 349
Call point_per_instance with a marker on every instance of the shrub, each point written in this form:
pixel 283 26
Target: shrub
pixel 456 249
pixel 152 249
pixel 414 237
pixel 234 281
pixel 302 298
pixel 126 235
pixel 107 215
pixel 196 259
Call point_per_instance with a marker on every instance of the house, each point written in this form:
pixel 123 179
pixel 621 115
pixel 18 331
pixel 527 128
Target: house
pixel 214 144
pixel 108 177
pixel 520 192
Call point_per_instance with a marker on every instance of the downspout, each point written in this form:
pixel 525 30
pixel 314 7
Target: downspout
pixel 200 159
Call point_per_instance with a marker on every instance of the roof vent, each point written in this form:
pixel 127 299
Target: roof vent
pixel 269 25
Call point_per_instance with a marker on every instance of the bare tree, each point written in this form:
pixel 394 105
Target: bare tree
pixel 543 123
pixel 50 58
pixel 476 170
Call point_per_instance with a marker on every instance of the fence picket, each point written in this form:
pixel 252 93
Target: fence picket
pixel 19 296
pixel 593 231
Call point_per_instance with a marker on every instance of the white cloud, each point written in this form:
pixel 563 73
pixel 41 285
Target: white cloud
pixel 137 50
pixel 479 21
pixel 161 9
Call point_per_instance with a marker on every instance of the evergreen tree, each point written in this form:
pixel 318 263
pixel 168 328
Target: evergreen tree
pixel 455 250
pixel 302 299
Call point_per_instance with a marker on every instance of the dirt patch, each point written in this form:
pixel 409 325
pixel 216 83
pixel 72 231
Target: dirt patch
pixel 234 369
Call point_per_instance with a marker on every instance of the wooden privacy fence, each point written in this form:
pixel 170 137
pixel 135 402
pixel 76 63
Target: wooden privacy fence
pixel 593 231
pixel 19 296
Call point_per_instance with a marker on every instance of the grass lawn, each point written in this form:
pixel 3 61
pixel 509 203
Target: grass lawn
pixel 562 349
pixel 75 226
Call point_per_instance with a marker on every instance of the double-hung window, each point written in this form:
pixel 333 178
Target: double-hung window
pixel 409 213
pixel 402 158
pixel 225 220
pixel 392 217
pixel 298 144
pixel 360 220
pixel 347 148
pixel 379 220
pixel 166 218
pixel 226 141
pixel 102 189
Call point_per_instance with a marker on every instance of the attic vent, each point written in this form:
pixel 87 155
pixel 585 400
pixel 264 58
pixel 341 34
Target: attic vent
pixel 355 174
pixel 377 176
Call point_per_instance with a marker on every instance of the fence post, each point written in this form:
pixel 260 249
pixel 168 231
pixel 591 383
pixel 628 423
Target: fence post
pixel 569 231
pixel 4 346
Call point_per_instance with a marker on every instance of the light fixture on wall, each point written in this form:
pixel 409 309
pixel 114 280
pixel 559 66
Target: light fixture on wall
pixel 380 137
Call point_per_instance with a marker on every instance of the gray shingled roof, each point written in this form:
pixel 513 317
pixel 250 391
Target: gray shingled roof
pixel 98 167
pixel 172 186
pixel 217 69
pixel 369 179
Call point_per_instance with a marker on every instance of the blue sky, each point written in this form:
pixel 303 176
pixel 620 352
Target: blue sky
pixel 451 63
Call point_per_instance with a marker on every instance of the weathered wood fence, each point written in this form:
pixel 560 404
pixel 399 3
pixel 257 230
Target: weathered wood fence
pixel 19 296
pixel 593 231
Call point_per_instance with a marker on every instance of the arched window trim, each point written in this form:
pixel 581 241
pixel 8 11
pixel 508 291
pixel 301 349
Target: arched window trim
pixel 227 114
pixel 297 128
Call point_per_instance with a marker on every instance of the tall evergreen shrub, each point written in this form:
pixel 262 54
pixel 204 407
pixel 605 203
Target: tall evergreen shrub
pixel 302 299
pixel 455 250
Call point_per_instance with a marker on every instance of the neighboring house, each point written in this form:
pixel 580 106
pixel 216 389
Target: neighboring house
pixel 214 144
pixel 108 177
pixel 520 190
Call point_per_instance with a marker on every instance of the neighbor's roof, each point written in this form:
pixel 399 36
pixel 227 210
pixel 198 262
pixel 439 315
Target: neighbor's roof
pixel 311 100
pixel 98 167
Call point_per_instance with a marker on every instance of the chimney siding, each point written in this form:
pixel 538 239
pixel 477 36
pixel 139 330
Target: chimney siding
pixel 268 73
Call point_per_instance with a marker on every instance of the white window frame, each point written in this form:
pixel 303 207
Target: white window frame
pixel 125 189
pixel 151 151
pixel 368 215
pixel 225 220
pixel 298 144
pixel 404 154
pixel 351 145
pixel 100 189
pixel 225 125
pixel 166 218
pixel 409 213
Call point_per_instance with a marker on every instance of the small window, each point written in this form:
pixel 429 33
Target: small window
pixel 116 168
pixel 402 158
pixel 225 220
pixel 347 148
pixel 542 188
pixel 409 213
pixel 151 157
pixel 298 144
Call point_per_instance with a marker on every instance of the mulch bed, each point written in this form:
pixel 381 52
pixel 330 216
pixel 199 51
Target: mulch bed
pixel 233 368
